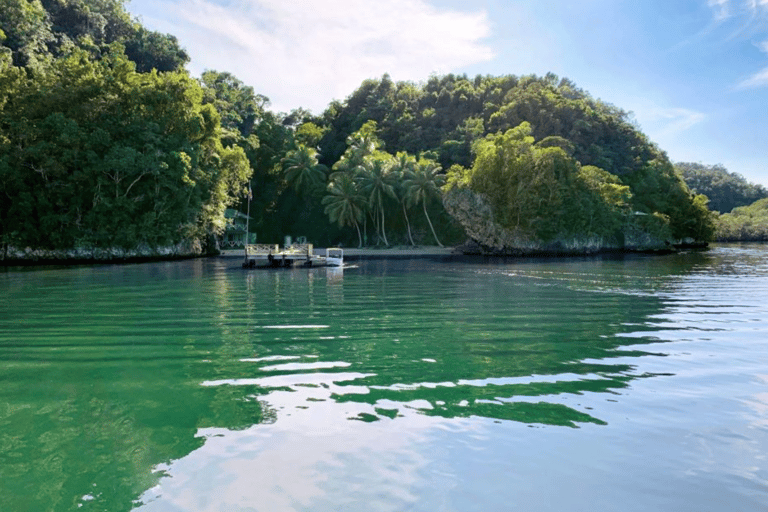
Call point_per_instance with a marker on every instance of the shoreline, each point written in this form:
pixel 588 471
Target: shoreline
pixel 351 254
pixel 74 262
pixel 397 253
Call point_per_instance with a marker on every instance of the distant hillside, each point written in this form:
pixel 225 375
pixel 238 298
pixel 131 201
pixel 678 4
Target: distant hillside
pixel 745 223
pixel 447 114
pixel 725 190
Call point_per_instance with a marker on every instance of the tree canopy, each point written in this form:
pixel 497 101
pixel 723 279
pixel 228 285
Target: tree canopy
pixel 95 153
pixel 37 30
pixel 745 223
pixel 540 190
pixel 105 140
pixel 725 190
pixel 542 149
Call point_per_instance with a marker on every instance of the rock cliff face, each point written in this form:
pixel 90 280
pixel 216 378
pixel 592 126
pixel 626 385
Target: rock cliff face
pixel 475 215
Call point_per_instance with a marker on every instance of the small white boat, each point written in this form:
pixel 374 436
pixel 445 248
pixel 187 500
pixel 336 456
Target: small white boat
pixel 334 257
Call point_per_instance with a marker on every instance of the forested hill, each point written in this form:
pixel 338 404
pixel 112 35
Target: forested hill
pixel 107 141
pixel 453 119
pixel 34 31
pixel 448 113
pixel 725 190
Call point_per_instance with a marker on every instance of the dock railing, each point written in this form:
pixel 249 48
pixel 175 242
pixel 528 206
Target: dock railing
pixel 262 249
pixel 299 249
pixel 274 249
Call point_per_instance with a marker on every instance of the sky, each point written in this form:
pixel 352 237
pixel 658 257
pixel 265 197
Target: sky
pixel 693 72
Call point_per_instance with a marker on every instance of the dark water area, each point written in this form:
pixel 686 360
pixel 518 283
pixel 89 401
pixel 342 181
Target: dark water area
pixel 634 383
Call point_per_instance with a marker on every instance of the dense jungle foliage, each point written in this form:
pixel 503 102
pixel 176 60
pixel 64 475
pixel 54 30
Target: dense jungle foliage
pixel 552 159
pixel 95 153
pixel 105 141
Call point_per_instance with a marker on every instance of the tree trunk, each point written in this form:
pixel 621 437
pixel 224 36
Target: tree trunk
pixel 408 225
pixel 359 236
pixel 424 204
pixel 383 231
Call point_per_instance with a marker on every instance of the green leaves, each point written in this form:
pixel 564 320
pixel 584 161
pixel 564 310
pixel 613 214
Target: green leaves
pixel 377 182
pixel 26 31
pixel 302 170
pixel 97 155
pixel 421 183
pixel 725 190
pixel 155 51
pixel 745 223
pixel 344 203
pixel 540 191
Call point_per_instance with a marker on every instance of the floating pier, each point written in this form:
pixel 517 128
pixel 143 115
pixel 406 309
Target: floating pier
pixel 266 255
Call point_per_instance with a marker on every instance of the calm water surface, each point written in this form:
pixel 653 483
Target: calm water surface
pixel 562 385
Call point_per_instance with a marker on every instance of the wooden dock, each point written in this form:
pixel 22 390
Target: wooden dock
pixel 267 255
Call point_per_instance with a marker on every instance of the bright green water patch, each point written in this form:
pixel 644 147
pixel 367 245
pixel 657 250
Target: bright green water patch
pixel 199 386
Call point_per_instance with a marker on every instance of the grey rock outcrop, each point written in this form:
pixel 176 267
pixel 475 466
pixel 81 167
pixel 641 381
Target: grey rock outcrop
pixel 474 213
pixel 186 249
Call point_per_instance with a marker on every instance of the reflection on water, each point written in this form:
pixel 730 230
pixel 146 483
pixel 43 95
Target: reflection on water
pixel 394 385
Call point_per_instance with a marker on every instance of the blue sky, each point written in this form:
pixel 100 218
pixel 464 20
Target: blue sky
pixel 693 72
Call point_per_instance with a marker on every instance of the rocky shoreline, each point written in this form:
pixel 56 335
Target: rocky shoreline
pixel 86 256
pixel 190 251
pixel 474 213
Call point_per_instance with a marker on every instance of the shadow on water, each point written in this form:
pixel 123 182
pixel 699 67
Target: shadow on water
pixel 108 373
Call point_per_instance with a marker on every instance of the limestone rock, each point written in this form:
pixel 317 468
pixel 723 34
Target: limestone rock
pixel 474 213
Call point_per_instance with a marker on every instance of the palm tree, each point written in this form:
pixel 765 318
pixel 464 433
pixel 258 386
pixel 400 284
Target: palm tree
pixel 423 182
pixel 344 203
pixel 404 163
pixel 348 169
pixel 376 182
pixel 360 145
pixel 302 170
pixel 364 141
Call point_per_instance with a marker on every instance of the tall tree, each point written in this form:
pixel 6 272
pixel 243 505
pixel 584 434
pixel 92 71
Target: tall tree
pixel 377 182
pixel 302 170
pixel 401 167
pixel 97 155
pixel 238 105
pixel 360 144
pixel 344 203
pixel 422 183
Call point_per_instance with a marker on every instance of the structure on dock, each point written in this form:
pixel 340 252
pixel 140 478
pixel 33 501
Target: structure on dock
pixel 267 255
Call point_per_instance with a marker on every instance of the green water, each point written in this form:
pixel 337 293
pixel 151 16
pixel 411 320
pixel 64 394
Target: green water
pixel 638 383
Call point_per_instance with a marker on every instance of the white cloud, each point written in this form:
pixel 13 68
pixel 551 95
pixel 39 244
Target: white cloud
pixel 304 53
pixel 663 124
pixel 676 120
pixel 759 79
pixel 721 8
pixel 744 11
pixel 746 18
pixel 756 5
